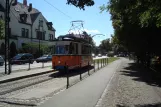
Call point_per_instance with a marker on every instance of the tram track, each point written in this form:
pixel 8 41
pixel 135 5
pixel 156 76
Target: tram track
pixel 9 87
pixel 28 91
pixel 14 86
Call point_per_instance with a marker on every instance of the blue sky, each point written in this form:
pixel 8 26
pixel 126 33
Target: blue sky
pixel 94 21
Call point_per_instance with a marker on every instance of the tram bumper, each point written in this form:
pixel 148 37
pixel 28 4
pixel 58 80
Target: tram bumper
pixel 59 67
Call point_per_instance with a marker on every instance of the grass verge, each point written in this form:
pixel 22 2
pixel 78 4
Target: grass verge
pixel 110 59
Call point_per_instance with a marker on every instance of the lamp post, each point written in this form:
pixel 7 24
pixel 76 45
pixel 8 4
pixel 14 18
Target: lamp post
pixel 7 35
pixel 40 33
pixel 96 35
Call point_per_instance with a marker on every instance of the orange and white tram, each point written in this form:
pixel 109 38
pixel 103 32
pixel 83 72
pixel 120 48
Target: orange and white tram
pixel 71 51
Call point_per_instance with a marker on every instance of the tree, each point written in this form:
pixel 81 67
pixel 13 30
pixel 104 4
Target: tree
pixel 2 29
pixel 116 45
pixel 105 46
pixel 81 3
pixel 91 41
pixel 34 49
pixel 137 24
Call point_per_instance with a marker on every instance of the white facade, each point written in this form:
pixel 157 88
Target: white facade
pixel 16 29
pixel 36 27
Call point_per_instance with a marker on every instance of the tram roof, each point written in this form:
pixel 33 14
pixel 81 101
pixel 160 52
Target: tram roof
pixel 71 37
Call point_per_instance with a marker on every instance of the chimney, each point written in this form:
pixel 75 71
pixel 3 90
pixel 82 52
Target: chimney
pixel 25 2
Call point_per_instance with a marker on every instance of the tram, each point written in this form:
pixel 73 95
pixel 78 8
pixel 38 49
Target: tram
pixel 72 52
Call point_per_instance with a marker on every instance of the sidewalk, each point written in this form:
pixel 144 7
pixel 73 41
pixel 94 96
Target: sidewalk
pixel 24 74
pixel 133 86
pixel 87 92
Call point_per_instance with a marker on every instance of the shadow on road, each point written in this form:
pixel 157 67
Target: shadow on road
pixel 71 73
pixel 142 74
pixel 146 105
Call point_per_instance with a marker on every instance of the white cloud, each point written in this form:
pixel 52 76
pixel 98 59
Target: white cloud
pixel 87 30
pixel 75 31
pixel 92 31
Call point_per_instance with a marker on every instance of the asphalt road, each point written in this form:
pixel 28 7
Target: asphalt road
pixel 87 92
pixel 34 65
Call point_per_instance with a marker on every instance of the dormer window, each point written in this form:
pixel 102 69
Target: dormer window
pixel 41 23
pixel 23 17
pixel 49 24
pixel 17 9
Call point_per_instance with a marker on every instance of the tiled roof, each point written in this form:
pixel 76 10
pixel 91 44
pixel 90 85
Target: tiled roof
pixel 34 16
pixel 19 9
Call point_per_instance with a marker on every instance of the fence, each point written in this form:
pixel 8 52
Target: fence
pixel 97 65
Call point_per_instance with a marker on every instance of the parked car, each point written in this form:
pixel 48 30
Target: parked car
pixel 157 62
pixel 1 61
pixel 99 55
pixel 111 54
pixel 23 58
pixel 44 58
pixel 93 55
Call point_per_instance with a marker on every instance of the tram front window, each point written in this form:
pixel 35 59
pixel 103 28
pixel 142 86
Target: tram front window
pixel 63 49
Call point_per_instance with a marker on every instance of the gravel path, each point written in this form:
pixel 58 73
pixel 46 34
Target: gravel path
pixel 133 87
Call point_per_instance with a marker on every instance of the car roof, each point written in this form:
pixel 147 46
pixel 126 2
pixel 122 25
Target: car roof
pixel 24 54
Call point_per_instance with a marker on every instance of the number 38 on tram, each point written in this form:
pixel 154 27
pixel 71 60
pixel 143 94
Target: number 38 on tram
pixel 71 52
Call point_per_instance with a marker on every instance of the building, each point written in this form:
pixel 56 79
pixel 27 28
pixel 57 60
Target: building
pixel 26 27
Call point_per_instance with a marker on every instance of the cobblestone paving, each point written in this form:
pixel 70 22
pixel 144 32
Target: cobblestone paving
pixel 132 87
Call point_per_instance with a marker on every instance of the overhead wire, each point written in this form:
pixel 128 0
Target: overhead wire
pixel 57 9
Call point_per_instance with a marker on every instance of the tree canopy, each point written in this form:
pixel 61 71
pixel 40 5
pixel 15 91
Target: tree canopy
pixel 136 24
pixel 105 46
pixel 81 3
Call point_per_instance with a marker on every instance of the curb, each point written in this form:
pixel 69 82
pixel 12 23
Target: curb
pixel 25 76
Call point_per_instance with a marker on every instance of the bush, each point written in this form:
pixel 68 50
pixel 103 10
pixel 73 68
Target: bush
pixel 111 54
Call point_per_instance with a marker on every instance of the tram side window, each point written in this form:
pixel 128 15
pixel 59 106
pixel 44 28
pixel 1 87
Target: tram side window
pixel 66 49
pixel 89 49
pixel 73 48
pixel 76 48
pixel 85 49
pixel 62 49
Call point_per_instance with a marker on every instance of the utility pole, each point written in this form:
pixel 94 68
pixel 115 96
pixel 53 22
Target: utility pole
pixel 7 50
pixel 8 33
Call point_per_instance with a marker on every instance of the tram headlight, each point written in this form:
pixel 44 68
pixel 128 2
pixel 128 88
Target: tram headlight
pixel 58 62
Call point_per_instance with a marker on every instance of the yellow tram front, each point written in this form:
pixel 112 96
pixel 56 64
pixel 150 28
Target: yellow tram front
pixel 72 52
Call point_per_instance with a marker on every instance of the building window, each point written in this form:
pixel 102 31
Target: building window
pixel 40 35
pixel 37 34
pixel 41 23
pixel 23 32
pixel 43 36
pixel 50 36
pixel 27 33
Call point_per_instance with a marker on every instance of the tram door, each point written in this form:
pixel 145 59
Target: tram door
pixel 86 56
pixel 74 58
